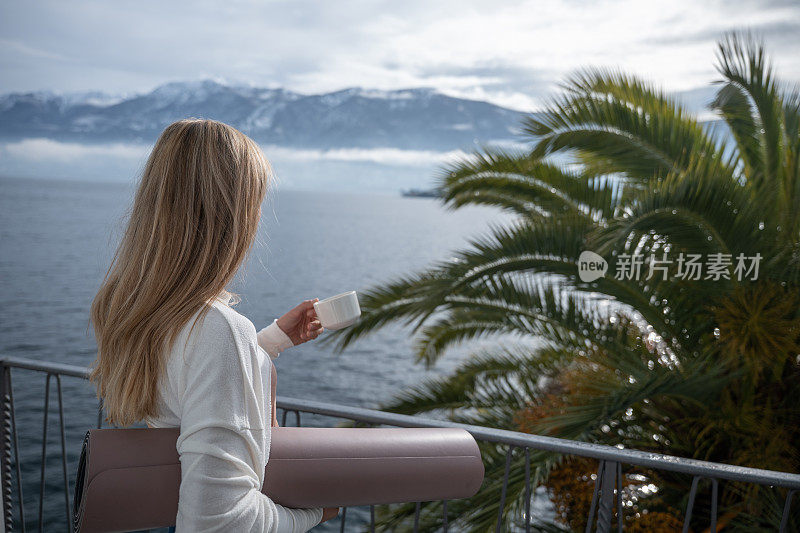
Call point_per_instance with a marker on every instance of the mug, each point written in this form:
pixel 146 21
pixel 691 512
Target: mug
pixel 337 312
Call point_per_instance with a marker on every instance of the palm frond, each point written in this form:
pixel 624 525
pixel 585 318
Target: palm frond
pixel 463 387
pixel 621 124
pixel 515 181
pixel 751 87
pixel 700 210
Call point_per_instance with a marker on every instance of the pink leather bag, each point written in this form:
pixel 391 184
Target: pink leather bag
pixel 128 479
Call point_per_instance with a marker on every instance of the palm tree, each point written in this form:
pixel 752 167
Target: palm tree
pixel 702 366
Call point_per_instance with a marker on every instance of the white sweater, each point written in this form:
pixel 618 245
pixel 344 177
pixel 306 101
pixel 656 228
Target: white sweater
pixel 217 390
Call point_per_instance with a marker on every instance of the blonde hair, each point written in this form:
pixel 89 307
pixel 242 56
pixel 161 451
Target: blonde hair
pixel 193 221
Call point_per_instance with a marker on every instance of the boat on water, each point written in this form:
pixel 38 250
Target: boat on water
pixel 421 193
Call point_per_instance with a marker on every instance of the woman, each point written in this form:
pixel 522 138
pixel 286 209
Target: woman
pixel 171 350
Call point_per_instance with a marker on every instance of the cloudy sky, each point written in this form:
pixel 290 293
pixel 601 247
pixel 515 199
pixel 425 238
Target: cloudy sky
pixel 509 52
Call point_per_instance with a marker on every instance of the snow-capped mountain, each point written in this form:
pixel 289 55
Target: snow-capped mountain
pixel 364 118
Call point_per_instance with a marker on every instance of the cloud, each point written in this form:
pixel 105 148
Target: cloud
pixel 385 156
pixel 49 150
pixel 775 29
pixel 512 52
pixel 44 150
pixel 28 51
pixel 357 170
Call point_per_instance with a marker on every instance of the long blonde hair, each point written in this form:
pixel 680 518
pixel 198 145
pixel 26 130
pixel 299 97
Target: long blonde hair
pixel 194 218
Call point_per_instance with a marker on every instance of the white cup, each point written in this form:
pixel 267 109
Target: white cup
pixel 338 311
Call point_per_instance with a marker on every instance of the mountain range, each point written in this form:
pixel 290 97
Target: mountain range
pixel 416 119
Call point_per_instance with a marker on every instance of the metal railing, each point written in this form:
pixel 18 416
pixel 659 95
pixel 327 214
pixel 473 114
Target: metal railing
pixel 608 482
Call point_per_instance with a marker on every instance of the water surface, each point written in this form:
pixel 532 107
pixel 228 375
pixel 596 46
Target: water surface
pixel 57 239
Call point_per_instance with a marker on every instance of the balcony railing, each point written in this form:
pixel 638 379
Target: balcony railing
pixel 606 499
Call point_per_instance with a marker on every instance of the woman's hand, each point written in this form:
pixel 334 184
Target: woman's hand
pixel 328 513
pixel 301 323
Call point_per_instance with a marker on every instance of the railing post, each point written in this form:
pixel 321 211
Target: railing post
pixel 606 504
pixel 787 508
pixel 5 442
pixel 603 497
pixel 503 492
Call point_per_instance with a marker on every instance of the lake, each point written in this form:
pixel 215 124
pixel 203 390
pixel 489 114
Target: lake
pixel 57 238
